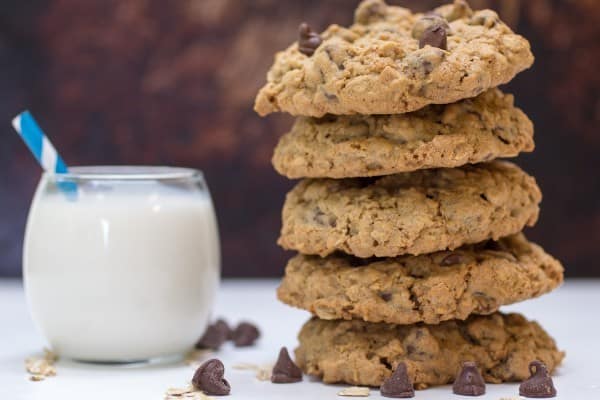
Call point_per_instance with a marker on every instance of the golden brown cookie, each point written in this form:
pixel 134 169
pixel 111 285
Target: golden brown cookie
pixel 473 130
pixel 391 62
pixel 364 353
pixel 409 213
pixel 430 288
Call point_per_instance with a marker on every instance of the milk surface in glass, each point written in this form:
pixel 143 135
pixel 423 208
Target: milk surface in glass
pixel 122 270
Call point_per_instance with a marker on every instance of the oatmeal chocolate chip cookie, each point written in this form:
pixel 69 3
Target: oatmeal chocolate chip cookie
pixel 409 213
pixel 430 288
pixel 365 353
pixel 392 61
pixel 470 131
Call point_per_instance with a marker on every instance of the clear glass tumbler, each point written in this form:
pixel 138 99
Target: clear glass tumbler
pixel 121 264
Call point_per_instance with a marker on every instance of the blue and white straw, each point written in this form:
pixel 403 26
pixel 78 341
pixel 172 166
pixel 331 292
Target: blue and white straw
pixel 38 143
pixel 43 151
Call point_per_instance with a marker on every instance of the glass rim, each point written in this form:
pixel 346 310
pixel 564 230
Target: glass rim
pixel 126 173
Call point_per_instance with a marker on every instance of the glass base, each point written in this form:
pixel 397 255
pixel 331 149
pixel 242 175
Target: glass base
pixel 162 360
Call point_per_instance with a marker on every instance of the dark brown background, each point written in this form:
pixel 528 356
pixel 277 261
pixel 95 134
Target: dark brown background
pixel 156 82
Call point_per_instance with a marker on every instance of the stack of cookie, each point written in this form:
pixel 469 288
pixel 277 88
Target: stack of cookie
pixel 408 233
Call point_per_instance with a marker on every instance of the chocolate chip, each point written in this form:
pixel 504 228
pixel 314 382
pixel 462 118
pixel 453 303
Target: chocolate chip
pixel 245 334
pixel 215 335
pixel 385 296
pixel 398 385
pixel 309 40
pixel 330 96
pixel 469 381
pixel 539 384
pixel 435 36
pixel 285 371
pixel 452 259
pixel 209 378
pixel 485 303
pixel 426 21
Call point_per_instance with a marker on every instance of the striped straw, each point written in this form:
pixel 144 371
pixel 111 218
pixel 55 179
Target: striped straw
pixel 38 143
pixel 43 151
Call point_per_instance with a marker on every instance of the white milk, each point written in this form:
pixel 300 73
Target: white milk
pixel 123 272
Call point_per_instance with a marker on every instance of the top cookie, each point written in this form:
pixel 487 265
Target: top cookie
pixel 378 67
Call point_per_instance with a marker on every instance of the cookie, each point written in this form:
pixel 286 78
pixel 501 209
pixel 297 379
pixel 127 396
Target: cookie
pixel 409 213
pixel 365 353
pixel 430 288
pixel 391 61
pixel 473 130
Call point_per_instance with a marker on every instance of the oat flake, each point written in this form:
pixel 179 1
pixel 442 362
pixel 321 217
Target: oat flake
pixel 40 368
pixel 355 391
pixel 185 393
pixel 263 372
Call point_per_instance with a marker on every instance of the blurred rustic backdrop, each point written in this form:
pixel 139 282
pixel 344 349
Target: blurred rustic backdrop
pixel 156 82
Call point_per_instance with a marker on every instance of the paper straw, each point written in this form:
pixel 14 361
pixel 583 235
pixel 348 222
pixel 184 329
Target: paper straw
pixel 39 144
pixel 43 151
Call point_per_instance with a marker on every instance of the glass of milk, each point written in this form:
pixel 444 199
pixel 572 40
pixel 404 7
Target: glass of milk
pixel 121 264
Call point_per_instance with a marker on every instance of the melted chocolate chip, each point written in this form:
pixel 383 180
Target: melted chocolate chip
pixel 385 296
pixel 452 259
pixel 469 381
pixel 215 335
pixel 209 378
pixel 285 371
pixel 245 334
pixel 398 385
pixel 539 384
pixel 309 40
pixel 435 36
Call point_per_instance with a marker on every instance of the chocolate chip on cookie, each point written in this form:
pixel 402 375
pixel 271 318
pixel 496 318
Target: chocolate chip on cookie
pixel 426 21
pixel 215 335
pixel 539 384
pixel 209 378
pixel 469 381
pixel 435 36
pixel 245 334
pixel 385 296
pixel 309 40
pixel 398 385
pixel 452 259
pixel 285 371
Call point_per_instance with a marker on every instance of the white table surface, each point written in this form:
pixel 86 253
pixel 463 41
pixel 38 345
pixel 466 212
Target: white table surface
pixel 570 314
